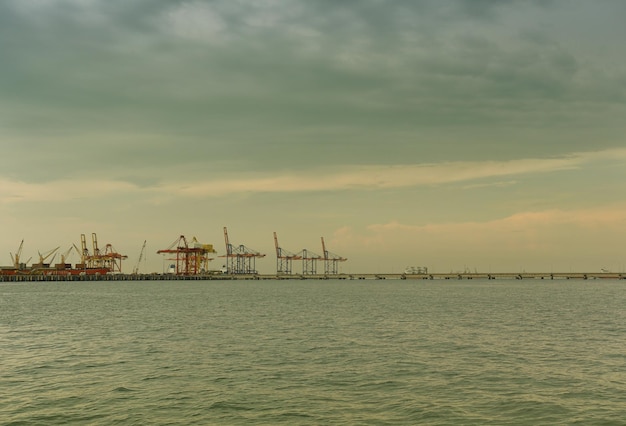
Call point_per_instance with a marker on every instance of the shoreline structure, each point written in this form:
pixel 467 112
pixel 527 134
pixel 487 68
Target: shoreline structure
pixel 341 276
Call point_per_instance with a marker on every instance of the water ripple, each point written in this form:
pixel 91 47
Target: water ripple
pixel 313 353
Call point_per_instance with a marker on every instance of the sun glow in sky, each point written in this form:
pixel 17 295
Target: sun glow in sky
pixel 452 134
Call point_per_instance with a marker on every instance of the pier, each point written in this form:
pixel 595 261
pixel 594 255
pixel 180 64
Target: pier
pixel 368 276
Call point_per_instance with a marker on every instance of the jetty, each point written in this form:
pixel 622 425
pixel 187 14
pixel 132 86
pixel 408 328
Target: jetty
pixel 339 276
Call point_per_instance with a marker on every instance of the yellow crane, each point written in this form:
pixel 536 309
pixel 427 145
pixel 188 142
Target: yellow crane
pixel 63 264
pixel 16 258
pixel 43 257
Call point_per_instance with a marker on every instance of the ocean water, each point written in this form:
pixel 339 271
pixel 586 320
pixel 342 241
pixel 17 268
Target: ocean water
pixel 313 352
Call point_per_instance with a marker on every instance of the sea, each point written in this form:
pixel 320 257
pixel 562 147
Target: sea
pixel 307 352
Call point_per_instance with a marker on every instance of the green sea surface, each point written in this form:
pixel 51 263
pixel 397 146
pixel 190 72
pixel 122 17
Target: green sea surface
pixel 313 352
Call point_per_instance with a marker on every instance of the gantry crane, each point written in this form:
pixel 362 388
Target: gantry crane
pixel 84 252
pixel 110 260
pixel 240 259
pixel 96 260
pixel 309 262
pixel 190 260
pixel 284 258
pixel 331 260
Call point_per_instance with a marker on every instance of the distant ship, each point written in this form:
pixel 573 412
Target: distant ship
pixel 59 269
pixel 97 263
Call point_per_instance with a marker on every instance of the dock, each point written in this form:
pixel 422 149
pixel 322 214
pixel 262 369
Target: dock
pixel 340 276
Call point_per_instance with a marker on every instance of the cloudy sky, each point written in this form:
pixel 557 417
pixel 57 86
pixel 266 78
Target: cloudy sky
pixel 486 135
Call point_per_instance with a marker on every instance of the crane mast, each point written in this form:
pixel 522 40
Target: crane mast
pixel 96 259
pixel 16 258
pixel 84 251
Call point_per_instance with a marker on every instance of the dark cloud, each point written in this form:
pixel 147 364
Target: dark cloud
pixel 303 81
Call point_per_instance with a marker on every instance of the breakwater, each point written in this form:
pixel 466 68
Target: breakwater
pixel 368 276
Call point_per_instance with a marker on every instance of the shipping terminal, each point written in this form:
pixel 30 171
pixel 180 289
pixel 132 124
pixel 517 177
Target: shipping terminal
pixel 190 260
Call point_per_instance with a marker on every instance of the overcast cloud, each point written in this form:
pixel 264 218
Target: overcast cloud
pixel 150 119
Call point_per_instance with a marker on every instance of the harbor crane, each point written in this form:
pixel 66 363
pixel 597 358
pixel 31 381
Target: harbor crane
pixel 309 262
pixel 284 258
pixel 81 252
pixel 84 253
pixel 331 260
pixel 143 248
pixel 110 259
pixel 89 260
pixel 43 257
pixel 190 259
pixel 64 256
pixel 17 257
pixel 240 259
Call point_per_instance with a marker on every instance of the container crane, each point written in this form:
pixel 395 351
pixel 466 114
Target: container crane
pixel 240 259
pixel 97 260
pixel 112 260
pixel 84 252
pixel 309 262
pixel 190 260
pixel 109 261
pixel 284 258
pixel 331 260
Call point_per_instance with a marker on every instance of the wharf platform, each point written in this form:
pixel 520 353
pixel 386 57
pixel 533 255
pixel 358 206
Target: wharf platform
pixel 369 276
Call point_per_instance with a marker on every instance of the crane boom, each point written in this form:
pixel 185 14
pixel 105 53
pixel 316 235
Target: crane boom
pixel 143 248
pixel 276 245
pixel 331 260
pixel 43 257
pixel 229 248
pixel 16 258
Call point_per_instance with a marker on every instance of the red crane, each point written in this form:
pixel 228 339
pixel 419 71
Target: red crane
pixel 112 259
pixel 190 260
pixel 109 261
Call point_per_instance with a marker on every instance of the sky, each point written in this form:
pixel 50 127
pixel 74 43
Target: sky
pixel 480 135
